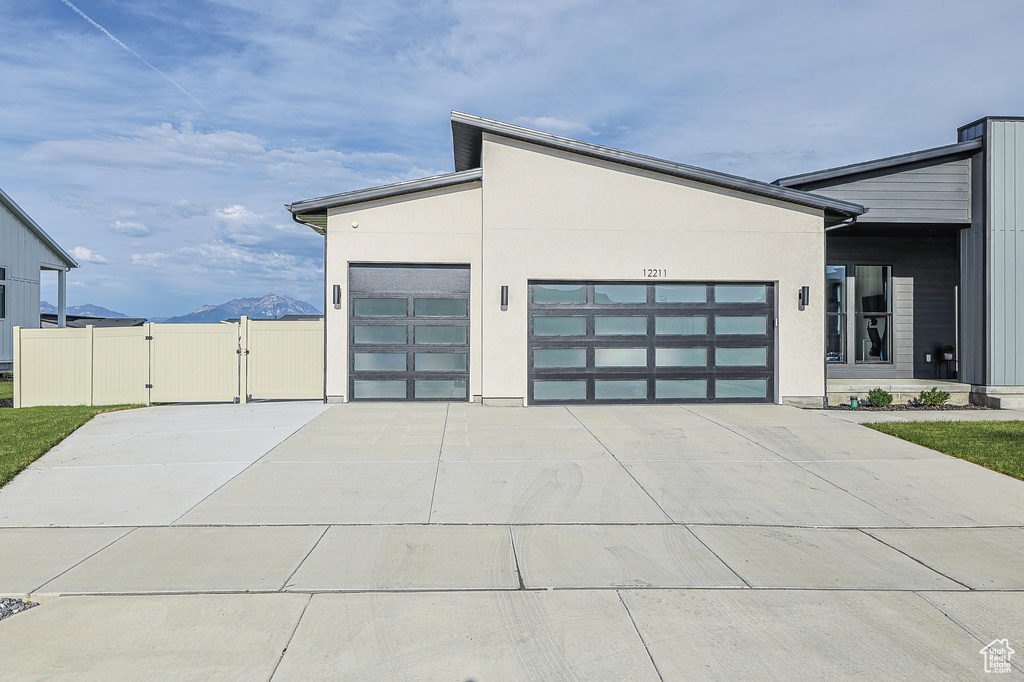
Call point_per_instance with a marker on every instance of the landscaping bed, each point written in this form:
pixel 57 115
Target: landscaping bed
pixel 906 407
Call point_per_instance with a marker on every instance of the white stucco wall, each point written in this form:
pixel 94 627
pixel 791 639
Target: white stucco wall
pixel 437 226
pixel 549 214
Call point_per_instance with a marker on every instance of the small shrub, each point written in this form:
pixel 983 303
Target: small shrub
pixel 879 397
pixel 933 398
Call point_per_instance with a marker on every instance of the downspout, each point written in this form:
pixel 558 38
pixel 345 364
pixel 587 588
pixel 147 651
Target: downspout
pixel 324 233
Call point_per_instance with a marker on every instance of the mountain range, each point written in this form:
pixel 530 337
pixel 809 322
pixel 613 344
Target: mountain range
pixel 269 307
pixel 87 310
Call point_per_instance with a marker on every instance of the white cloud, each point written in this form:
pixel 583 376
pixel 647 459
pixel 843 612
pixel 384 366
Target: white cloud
pixel 236 212
pixel 556 125
pixel 131 228
pixel 152 259
pixel 85 255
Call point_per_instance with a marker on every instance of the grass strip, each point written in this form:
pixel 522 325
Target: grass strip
pixel 995 445
pixel 28 433
pixel 6 390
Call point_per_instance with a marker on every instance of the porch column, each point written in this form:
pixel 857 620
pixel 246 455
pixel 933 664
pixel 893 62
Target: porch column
pixel 62 298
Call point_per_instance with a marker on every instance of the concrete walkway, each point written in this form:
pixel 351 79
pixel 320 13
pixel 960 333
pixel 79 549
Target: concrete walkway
pixel 294 541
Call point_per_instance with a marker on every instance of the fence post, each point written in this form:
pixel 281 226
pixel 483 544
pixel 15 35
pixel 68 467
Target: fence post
pixel 16 365
pixel 92 364
pixel 149 364
pixel 243 360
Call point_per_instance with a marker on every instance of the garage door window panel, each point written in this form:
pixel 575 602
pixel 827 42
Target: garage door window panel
pixel 672 346
pixel 409 332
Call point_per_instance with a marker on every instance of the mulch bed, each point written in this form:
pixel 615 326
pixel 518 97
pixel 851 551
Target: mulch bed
pixel 907 407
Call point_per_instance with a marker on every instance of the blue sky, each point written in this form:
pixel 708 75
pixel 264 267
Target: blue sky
pixel 168 180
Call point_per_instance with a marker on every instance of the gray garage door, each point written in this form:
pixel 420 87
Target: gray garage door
pixel 616 342
pixel 409 332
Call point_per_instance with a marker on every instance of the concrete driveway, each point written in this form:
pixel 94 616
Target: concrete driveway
pixel 455 542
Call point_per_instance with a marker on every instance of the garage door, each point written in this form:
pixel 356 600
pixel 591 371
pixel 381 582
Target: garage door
pixel 408 332
pixel 615 342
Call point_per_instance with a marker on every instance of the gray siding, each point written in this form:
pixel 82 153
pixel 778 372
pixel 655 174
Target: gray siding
pixel 924 298
pixel 1005 251
pixel 933 194
pixel 21 253
pixel 971 352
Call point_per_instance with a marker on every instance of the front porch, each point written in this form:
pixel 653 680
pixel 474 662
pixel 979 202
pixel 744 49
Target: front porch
pixel 840 391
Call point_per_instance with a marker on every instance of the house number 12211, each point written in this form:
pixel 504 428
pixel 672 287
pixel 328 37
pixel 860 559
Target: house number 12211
pixel 655 272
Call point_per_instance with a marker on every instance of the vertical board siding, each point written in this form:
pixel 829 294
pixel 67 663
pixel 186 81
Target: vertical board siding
pixel 972 350
pixel 1003 224
pixel 924 271
pixel 934 194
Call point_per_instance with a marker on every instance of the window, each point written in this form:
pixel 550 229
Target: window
pixel 873 313
pixel 835 313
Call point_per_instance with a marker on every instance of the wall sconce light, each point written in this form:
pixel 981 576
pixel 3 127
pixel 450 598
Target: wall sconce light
pixel 504 297
pixel 337 294
pixel 805 297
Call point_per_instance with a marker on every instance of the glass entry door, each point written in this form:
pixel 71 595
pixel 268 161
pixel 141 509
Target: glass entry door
pixel 873 330
pixel 408 332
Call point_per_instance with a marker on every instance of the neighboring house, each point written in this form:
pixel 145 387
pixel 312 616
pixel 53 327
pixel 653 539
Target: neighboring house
pixel 546 270
pixel 50 321
pixel 25 250
pixel 938 259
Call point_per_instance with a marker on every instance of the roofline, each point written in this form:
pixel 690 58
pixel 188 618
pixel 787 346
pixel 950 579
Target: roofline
pixel 949 150
pixel 39 232
pixel 470 156
pixel 361 196
pixel 985 119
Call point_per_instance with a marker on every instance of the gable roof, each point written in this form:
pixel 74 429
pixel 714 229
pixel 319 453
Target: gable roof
pixel 39 232
pixel 467 136
pixel 887 165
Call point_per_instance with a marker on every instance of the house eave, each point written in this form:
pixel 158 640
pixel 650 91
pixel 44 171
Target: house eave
pixel 935 155
pixel 39 232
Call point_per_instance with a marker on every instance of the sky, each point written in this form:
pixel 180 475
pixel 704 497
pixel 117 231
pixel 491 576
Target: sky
pixel 158 140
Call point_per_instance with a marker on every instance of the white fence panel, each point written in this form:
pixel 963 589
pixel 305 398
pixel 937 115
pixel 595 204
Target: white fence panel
pixel 120 373
pixel 263 360
pixel 286 359
pixel 193 362
pixel 52 367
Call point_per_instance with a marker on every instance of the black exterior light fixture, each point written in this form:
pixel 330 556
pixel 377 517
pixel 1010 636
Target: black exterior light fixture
pixel 504 297
pixel 805 297
pixel 337 294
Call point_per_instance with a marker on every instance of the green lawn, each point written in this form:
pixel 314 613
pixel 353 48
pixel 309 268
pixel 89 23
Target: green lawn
pixel 995 445
pixel 6 390
pixel 28 433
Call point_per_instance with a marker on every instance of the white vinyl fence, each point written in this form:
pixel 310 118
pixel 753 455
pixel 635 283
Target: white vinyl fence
pixel 163 363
